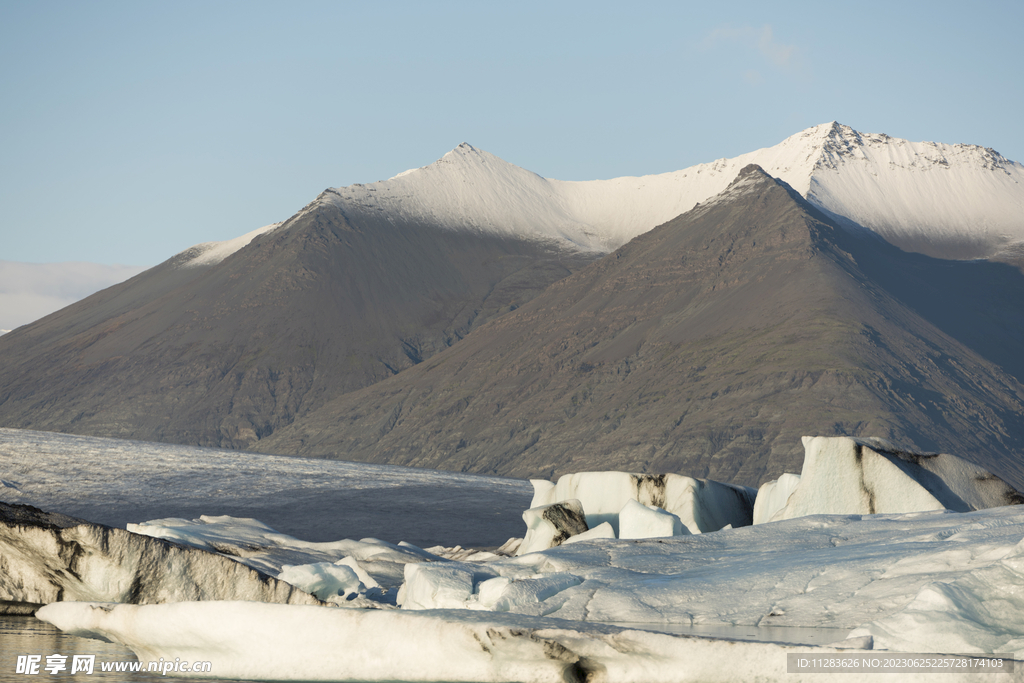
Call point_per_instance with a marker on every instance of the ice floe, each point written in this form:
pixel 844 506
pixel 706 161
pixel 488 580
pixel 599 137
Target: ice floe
pixel 551 525
pixel 844 475
pixel 701 504
pixel 46 557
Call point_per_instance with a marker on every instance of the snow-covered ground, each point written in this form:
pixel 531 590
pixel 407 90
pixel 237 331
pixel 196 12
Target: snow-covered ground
pixel 938 198
pixel 922 582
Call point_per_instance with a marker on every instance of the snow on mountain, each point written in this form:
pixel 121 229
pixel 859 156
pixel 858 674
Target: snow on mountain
pixel 957 200
pixel 921 194
pixel 212 253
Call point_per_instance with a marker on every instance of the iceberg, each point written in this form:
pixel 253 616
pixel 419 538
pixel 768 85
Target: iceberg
pixel 701 504
pixel 336 582
pixel 48 557
pixel 773 496
pixel 843 475
pixel 921 580
pixel 257 545
pixel 648 521
pixel 551 525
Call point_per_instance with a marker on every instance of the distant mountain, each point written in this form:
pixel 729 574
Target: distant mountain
pixel 228 343
pixel 708 346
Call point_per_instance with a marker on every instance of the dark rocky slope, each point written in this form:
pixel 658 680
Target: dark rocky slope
pixel 708 347
pixel 224 355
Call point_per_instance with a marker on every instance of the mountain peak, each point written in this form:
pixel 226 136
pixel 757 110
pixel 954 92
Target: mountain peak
pixel 924 196
pixel 463 150
pixel 751 179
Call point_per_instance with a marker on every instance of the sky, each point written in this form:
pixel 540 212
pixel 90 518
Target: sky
pixel 133 130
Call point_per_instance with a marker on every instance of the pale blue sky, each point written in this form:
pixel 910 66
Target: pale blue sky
pixel 132 130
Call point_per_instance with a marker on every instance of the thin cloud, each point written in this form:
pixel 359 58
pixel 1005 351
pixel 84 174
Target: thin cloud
pixel 762 40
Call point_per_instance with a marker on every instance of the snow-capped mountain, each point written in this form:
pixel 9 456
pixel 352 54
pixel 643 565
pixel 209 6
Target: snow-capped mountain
pixel 951 201
pixel 230 343
pixel 927 196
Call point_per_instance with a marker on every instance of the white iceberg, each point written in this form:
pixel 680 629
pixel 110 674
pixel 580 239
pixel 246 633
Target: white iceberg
pixel 257 545
pixel 443 585
pixel 46 557
pixel 773 496
pixel 701 504
pixel 336 582
pixel 550 525
pixel 602 531
pixel 648 521
pixel 843 475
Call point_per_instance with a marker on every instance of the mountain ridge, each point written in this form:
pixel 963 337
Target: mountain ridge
pixel 706 346
pixel 949 201
pixel 974 198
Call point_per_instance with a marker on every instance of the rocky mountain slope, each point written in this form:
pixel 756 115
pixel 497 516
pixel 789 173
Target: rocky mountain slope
pixel 709 346
pixel 221 345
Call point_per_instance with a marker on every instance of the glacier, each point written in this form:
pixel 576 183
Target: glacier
pixel 864 575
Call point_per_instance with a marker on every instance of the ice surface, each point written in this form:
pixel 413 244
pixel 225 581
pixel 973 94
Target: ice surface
pixel 543 492
pixel 44 558
pixel 602 530
pixel 334 582
pixel 835 571
pixel 273 642
pixel 909 582
pixel 550 525
pixel 442 586
pixel 865 476
pixel 257 545
pixel 648 521
pixel 114 482
pixel 980 611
